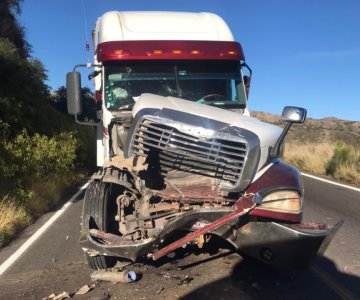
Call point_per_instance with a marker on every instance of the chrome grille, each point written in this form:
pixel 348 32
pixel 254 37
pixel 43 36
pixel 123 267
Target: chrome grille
pixel 213 157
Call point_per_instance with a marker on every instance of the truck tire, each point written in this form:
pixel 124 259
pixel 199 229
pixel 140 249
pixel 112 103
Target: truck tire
pixel 96 215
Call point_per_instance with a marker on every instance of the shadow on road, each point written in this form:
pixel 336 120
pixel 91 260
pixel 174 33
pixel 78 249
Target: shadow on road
pixel 251 279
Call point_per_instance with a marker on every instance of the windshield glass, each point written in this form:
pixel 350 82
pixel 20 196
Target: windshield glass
pixel 212 82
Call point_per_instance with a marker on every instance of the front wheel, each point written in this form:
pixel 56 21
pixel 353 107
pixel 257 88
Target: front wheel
pixel 96 215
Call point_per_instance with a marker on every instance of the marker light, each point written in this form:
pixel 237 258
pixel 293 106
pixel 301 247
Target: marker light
pixel 157 52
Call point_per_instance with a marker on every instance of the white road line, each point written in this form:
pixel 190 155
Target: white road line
pixel 15 256
pixel 332 182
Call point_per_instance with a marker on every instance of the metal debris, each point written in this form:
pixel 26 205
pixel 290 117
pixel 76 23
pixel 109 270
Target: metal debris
pixel 185 281
pixel 134 163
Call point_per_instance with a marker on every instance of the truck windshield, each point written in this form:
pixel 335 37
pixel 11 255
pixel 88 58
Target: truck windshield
pixel 216 83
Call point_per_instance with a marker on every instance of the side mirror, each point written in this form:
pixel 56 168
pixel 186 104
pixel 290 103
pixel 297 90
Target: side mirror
pixel 291 115
pixel 73 91
pixel 294 114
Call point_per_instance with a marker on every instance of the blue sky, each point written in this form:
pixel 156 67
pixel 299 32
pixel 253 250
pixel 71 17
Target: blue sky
pixel 302 52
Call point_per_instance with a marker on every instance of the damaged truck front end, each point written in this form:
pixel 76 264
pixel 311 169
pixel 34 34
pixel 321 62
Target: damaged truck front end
pixel 197 173
pixel 180 158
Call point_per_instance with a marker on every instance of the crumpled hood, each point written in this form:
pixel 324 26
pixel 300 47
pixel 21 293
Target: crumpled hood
pixel 268 134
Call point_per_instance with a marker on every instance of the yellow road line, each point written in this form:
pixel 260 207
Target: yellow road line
pixel 336 287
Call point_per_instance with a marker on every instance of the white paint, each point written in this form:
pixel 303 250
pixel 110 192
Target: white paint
pixel 153 25
pixel 332 182
pixel 16 255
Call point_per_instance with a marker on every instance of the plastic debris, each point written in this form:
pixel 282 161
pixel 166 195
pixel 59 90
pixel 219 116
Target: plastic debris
pixel 126 276
pixel 85 289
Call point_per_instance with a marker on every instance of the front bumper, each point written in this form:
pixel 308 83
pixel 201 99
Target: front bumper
pixel 285 246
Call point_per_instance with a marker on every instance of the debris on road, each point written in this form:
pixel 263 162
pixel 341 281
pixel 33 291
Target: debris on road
pixel 85 289
pixel 63 295
pixel 160 290
pixel 185 281
pixel 115 277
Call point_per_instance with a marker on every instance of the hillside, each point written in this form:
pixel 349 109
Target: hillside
pixel 318 130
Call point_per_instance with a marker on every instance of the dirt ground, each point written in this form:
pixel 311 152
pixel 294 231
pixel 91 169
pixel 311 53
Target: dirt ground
pixel 219 274
pixel 168 279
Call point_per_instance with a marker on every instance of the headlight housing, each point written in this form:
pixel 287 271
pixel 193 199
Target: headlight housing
pixel 280 204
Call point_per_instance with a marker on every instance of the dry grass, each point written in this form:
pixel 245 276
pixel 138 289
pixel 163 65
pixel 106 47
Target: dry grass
pixel 311 158
pixel 46 194
pixel 315 159
pixel 12 219
pixel 348 173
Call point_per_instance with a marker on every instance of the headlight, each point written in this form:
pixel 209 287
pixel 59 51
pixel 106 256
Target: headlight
pixel 285 205
pixel 282 201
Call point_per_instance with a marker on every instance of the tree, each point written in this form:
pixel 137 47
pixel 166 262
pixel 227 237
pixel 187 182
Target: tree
pixel 10 28
pixel 58 101
pixel 23 91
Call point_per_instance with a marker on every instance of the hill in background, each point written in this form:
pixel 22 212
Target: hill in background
pixel 318 130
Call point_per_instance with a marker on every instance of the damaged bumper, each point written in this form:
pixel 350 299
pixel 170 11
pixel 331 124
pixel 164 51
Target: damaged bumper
pixel 285 246
pixel 96 242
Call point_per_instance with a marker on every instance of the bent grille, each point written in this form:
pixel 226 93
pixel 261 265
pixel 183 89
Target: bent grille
pixel 213 157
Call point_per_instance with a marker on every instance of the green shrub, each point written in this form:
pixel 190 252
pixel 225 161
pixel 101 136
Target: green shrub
pixel 28 157
pixel 344 154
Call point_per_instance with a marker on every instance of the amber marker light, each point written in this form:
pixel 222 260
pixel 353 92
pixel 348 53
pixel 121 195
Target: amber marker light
pixel 232 52
pixel 157 52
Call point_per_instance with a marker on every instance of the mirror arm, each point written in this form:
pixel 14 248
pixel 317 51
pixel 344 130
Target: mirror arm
pixel 86 123
pixel 275 152
pixel 86 65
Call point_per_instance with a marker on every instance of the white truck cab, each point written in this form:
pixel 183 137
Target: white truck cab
pixel 179 151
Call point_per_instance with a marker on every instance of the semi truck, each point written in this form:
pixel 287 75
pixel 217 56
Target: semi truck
pixel 180 159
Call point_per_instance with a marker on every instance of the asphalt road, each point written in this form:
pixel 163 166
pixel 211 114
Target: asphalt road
pixel 54 263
